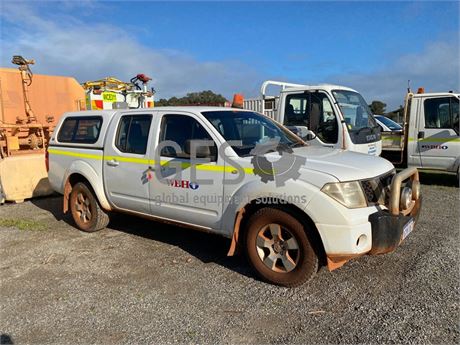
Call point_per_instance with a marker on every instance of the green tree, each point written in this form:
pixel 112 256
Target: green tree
pixel 377 107
pixel 162 102
pixel 173 101
pixel 206 97
pixel 397 115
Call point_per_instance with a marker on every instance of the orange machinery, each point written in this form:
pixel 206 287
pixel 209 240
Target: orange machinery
pixel 30 106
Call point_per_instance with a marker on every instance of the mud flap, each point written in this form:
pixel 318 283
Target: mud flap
pixel 23 177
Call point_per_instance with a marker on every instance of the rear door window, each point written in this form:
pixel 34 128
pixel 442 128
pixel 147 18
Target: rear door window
pixel 82 130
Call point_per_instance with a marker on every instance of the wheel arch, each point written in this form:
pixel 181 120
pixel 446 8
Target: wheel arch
pixel 456 165
pixel 83 172
pixel 249 209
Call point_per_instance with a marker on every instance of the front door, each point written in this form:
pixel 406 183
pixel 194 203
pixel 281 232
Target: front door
pixel 126 162
pixel 438 137
pixel 180 190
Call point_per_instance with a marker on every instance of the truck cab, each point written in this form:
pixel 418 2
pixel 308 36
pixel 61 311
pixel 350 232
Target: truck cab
pixel 430 137
pixel 433 131
pixel 325 115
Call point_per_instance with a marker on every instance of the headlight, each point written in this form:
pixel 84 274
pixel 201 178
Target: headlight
pixel 349 194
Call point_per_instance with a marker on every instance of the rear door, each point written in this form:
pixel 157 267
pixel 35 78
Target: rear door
pixel 438 136
pixel 126 161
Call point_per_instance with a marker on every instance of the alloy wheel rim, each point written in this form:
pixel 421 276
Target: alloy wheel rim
pixel 277 248
pixel 82 207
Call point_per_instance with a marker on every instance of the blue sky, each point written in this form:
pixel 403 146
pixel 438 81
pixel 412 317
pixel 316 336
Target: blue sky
pixel 231 47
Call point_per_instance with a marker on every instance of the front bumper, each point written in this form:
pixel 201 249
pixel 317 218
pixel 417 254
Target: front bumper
pixel 387 229
pixel 387 225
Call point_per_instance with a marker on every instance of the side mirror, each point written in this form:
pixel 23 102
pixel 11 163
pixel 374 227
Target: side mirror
pixel 202 150
pixel 300 131
pixel 310 136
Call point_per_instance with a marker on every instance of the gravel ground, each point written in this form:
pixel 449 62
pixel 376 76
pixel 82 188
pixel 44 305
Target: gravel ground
pixel 143 282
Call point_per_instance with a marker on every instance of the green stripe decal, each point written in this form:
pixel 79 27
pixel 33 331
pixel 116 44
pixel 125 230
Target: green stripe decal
pixel 74 154
pixel 436 140
pixel 164 163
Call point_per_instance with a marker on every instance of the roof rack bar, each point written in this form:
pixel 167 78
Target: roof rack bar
pixel 283 85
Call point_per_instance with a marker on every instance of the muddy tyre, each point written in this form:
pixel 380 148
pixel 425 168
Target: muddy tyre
pixel 278 248
pixel 458 176
pixel 86 211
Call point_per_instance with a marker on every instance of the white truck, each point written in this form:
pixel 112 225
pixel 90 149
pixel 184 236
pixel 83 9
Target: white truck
pixel 292 206
pixel 430 137
pixel 325 115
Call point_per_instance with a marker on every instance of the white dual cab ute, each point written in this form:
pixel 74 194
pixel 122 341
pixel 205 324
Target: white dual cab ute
pixel 290 205
pixel 324 115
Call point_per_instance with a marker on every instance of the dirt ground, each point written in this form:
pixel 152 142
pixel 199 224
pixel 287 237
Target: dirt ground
pixel 139 281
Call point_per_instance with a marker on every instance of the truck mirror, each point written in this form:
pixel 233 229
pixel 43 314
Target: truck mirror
pixel 310 136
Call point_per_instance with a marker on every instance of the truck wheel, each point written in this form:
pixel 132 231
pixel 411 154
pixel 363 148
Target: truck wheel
pixel 279 249
pixel 86 211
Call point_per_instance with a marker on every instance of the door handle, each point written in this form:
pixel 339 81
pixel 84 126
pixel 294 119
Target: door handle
pixel 113 163
pixel 421 135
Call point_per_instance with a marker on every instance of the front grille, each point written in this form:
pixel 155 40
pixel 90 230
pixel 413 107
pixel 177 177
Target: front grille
pixel 377 189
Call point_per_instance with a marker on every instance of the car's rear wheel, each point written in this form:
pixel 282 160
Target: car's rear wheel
pixel 86 211
pixel 458 176
pixel 279 249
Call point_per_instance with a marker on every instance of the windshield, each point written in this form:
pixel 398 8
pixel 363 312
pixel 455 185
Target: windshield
pixel 355 110
pixel 389 123
pixel 250 129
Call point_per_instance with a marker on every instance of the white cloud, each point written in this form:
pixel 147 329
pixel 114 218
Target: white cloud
pixel 90 52
pixel 436 67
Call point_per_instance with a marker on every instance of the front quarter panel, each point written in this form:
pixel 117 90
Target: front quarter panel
pixel 294 192
pixel 340 227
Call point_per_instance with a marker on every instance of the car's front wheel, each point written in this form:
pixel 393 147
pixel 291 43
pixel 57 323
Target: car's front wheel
pixel 279 249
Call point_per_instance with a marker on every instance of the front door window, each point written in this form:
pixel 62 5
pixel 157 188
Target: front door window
pixel 442 113
pixel 314 111
pixel 180 129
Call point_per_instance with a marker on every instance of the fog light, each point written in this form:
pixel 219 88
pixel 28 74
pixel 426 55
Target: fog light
pixel 406 198
pixel 361 242
pixel 415 190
